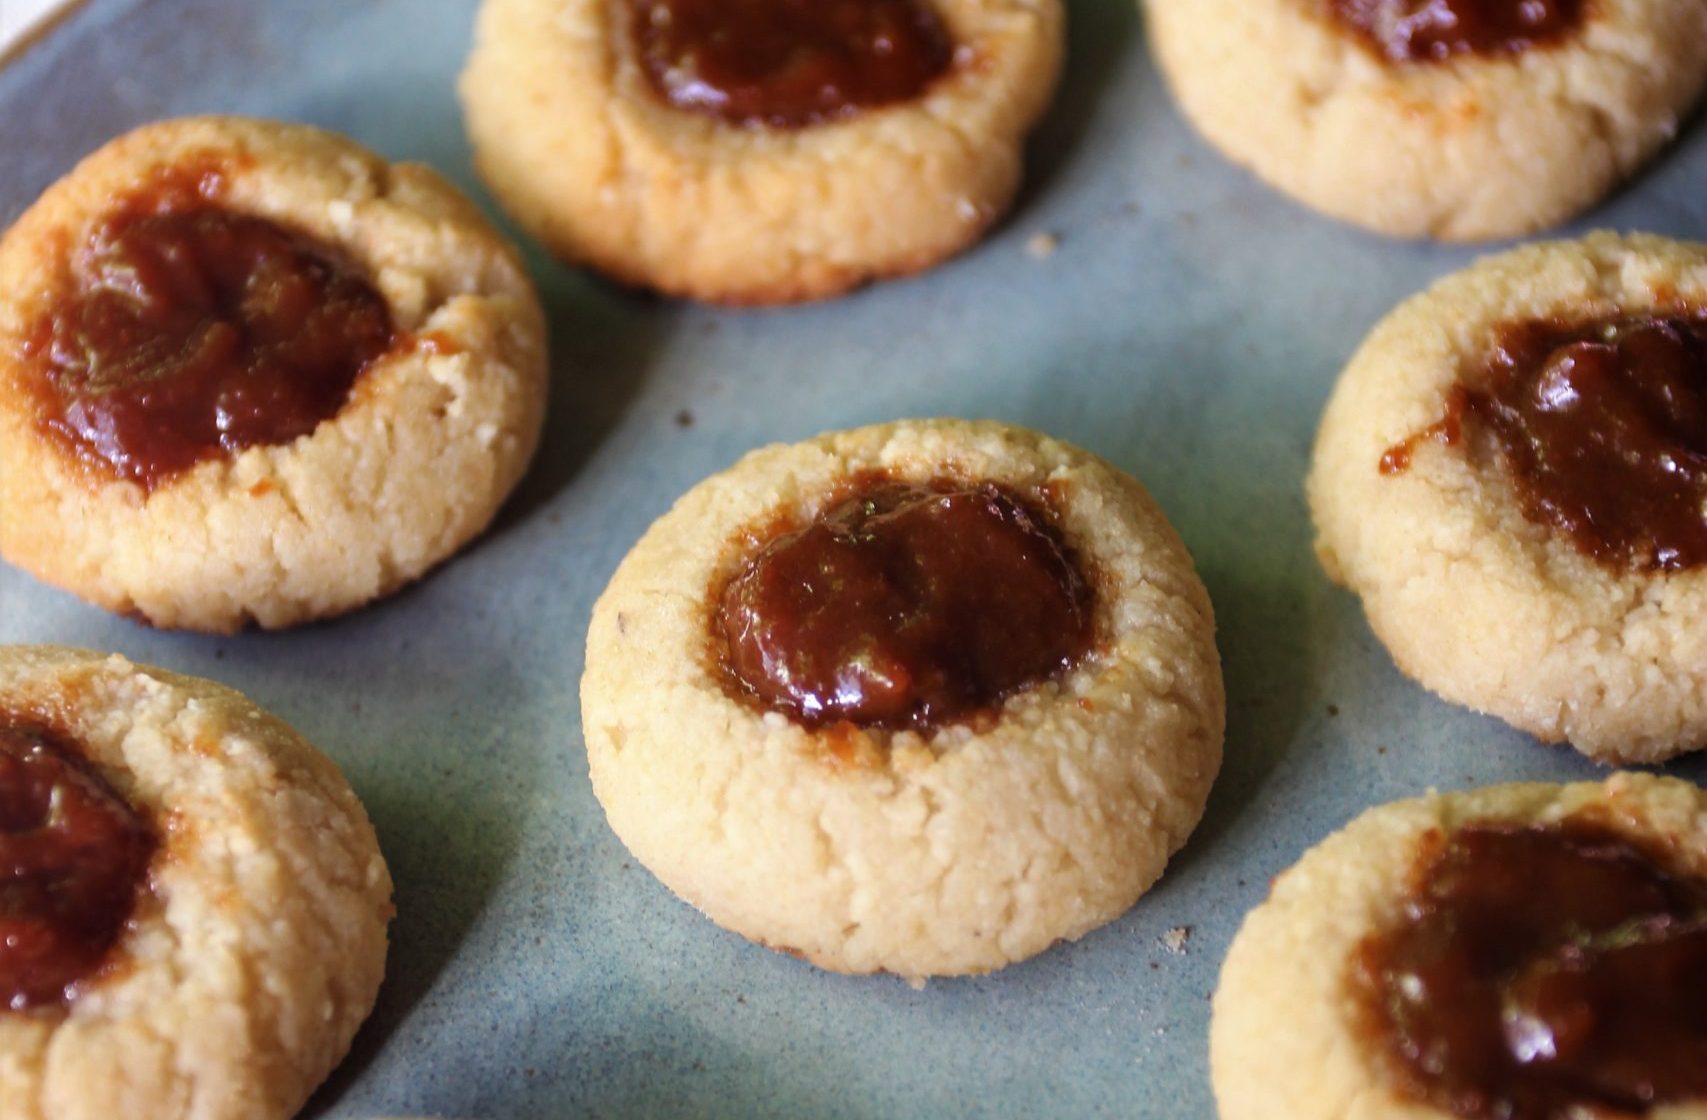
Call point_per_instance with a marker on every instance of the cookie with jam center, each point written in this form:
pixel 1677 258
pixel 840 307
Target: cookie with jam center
pixel 1462 120
pixel 250 372
pixel 757 151
pixel 1512 476
pixel 1524 951
pixel 193 904
pixel 921 698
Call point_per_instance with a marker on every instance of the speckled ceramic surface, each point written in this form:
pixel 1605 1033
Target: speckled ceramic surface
pixel 1188 327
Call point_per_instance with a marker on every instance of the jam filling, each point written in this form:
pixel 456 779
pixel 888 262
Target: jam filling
pixel 73 859
pixel 194 332
pixel 1542 972
pixel 789 63
pixel 1436 30
pixel 1603 429
pixel 907 606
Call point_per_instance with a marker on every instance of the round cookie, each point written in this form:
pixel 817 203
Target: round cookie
pixel 1418 137
pixel 863 847
pixel 1297 1031
pixel 409 461
pixel 1475 599
pixel 258 936
pixel 582 148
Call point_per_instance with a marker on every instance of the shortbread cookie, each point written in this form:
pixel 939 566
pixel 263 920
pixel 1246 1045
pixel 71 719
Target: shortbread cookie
pixel 1456 119
pixel 922 698
pixel 1561 589
pixel 192 903
pixel 1528 952
pixel 760 151
pixel 251 372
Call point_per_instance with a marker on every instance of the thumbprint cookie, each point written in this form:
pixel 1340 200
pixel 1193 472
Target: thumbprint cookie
pixel 250 372
pixel 1455 119
pixel 193 905
pixel 757 151
pixel 1522 952
pixel 922 698
pixel 1512 475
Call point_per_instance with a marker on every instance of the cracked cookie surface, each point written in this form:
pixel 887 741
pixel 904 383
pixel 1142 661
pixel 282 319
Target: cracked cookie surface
pixel 1463 148
pixel 1472 597
pixel 582 150
pixel 865 849
pixel 260 943
pixel 434 433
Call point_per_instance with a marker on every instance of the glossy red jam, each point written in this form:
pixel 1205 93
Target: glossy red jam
pixel 1436 30
pixel 1602 426
pixel 194 332
pixel 73 860
pixel 1543 973
pixel 907 606
pixel 789 63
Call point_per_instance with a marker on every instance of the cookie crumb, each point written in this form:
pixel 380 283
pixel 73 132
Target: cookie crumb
pixel 1042 246
pixel 1174 940
pixel 684 419
pixel 1333 710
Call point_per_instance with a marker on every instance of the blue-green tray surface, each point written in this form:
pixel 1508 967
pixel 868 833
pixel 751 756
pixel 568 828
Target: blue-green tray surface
pixel 1188 328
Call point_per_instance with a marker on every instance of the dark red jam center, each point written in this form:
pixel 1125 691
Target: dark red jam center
pixel 194 332
pixel 789 63
pixel 1542 971
pixel 1603 427
pixel 907 606
pixel 73 858
pixel 1436 30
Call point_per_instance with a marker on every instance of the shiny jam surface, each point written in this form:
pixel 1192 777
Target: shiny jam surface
pixel 194 332
pixel 1436 30
pixel 789 63
pixel 73 859
pixel 907 606
pixel 1603 428
pixel 1548 972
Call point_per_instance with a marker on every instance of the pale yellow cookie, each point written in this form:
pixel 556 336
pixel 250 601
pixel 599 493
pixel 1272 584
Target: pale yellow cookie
pixel 259 945
pixel 1290 1037
pixel 584 152
pixel 1472 598
pixel 1469 148
pixel 865 849
pixel 435 432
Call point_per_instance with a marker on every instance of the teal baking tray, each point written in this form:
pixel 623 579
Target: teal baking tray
pixel 1188 328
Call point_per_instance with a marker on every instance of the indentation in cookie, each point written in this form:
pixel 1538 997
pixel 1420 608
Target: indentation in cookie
pixel 1602 425
pixel 73 861
pixel 906 605
pixel 789 63
pixel 192 332
pixel 1541 970
pixel 1437 30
